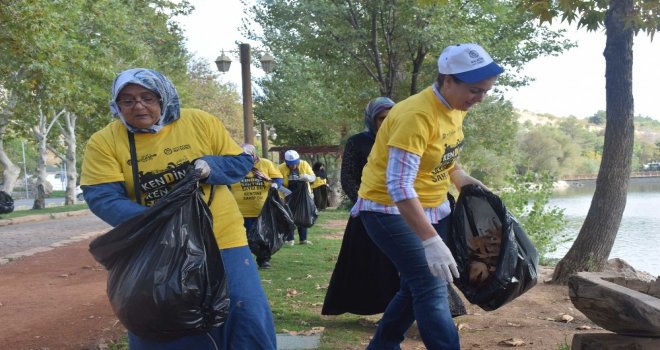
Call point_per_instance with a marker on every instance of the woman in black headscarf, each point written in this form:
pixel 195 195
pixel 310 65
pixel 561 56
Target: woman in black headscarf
pixel 364 280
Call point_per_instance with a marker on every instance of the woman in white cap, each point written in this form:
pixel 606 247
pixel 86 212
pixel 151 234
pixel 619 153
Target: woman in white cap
pixel 402 200
pixel 296 172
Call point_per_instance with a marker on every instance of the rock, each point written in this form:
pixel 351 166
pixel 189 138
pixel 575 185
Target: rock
pixel 621 267
pixel 608 341
pixel 614 307
pixel 654 288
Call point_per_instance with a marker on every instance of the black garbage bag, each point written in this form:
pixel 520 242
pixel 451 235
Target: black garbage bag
pixel 301 204
pixel 266 236
pixel 6 203
pixel 321 197
pixel 496 260
pixel 166 277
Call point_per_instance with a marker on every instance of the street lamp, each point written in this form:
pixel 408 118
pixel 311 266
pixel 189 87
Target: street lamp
pixel 267 64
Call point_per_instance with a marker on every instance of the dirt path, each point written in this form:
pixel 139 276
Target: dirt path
pixel 56 300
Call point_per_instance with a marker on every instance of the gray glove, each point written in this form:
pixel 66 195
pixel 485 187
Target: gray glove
pixel 204 167
pixel 309 178
pixel 439 258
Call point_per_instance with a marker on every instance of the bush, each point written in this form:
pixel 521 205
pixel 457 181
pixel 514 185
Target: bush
pixel 527 199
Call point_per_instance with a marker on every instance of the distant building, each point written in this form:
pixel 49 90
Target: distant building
pixel 653 166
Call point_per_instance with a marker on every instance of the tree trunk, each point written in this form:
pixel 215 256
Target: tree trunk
pixel 69 133
pixel 593 244
pixel 40 132
pixel 11 171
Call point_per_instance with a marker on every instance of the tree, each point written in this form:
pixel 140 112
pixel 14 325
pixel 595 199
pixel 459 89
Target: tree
pixel 622 19
pixel 361 49
pixel 490 156
pixel 62 56
pixel 209 95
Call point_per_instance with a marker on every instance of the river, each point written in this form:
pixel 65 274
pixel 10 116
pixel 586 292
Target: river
pixel 638 239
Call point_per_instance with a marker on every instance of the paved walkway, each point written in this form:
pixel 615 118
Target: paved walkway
pixel 28 235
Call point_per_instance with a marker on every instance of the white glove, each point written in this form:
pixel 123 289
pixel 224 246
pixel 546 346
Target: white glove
pixel 274 185
pixel 439 258
pixel 309 178
pixel 294 177
pixel 202 165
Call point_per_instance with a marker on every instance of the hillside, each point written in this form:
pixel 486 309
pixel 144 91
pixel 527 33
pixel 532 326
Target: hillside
pixel 646 129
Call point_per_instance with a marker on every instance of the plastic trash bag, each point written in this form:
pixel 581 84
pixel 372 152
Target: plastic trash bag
pixel 166 277
pixel 302 205
pixel 6 203
pixel 496 260
pixel 321 197
pixel 266 236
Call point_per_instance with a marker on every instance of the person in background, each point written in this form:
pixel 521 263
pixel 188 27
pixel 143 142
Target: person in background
pixel 402 200
pixel 296 172
pixel 320 186
pixel 167 140
pixel 364 280
pixel 251 192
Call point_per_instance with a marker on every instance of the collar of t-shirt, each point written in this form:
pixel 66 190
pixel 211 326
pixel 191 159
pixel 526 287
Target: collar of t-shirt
pixel 441 98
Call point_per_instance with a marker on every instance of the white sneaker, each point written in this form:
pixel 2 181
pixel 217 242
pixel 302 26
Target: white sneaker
pixel 289 243
pixel 306 242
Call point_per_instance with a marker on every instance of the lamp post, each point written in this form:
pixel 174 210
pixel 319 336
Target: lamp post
pixel 267 64
pixel 266 134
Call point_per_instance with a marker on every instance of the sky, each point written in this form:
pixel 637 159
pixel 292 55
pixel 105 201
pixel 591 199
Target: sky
pixel 570 84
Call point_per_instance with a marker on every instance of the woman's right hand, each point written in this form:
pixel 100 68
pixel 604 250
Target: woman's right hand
pixel 440 260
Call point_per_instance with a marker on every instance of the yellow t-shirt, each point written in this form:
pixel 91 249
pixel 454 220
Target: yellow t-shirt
pixel 303 169
pixel 421 125
pixel 162 160
pixel 251 192
pixel 319 182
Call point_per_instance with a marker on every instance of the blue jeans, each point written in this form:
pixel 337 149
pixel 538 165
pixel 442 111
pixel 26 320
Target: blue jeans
pixel 302 234
pixel 249 324
pixel 422 296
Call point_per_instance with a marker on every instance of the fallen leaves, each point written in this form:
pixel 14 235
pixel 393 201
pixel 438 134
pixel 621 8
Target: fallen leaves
pixel 513 342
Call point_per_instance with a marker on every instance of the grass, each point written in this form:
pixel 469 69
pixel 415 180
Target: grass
pixel 49 210
pixel 297 283
pixel 296 286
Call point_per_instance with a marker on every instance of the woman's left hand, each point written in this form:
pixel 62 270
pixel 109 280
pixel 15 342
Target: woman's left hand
pixel 460 178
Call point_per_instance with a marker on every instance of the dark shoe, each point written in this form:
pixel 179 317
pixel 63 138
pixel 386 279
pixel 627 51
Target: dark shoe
pixel 265 265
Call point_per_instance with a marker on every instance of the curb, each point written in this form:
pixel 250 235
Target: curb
pixel 43 217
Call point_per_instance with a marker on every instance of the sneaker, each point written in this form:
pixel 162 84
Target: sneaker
pixel 289 243
pixel 306 242
pixel 265 265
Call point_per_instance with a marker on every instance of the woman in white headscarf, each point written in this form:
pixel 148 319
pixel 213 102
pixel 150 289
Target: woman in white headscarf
pixel 167 140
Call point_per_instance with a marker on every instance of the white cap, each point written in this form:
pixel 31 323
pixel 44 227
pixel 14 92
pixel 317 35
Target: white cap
pixel 468 62
pixel 291 157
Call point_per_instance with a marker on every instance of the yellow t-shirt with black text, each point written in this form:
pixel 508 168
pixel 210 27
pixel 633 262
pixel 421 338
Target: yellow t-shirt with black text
pixel 162 160
pixel 303 169
pixel 251 192
pixel 421 125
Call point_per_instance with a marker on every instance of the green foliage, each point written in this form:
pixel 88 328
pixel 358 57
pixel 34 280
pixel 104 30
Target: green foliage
pixel 334 57
pixel 490 145
pixel 644 17
pixel 527 199
pixel 204 92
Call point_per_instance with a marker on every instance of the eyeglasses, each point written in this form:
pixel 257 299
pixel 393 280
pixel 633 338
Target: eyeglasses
pixel 146 100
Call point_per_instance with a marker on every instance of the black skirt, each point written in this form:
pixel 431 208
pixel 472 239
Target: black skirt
pixel 364 280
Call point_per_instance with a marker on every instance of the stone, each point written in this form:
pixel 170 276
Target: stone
pixel 614 307
pixel 610 341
